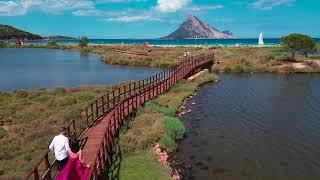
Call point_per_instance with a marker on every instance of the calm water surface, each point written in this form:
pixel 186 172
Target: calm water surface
pixel 178 42
pixel 48 68
pixel 254 127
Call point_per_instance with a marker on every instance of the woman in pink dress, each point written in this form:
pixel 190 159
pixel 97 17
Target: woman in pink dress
pixel 74 169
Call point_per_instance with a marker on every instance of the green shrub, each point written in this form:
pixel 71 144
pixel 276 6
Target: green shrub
pixel 151 107
pixel 173 127
pixel 52 44
pixel 227 69
pixel 3 44
pixel 168 143
pixel 238 69
pixel 167 111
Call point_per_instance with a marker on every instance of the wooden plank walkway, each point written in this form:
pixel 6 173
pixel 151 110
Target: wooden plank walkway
pixel 105 115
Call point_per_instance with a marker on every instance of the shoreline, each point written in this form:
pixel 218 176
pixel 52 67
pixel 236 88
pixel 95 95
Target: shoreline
pixel 238 59
pixel 136 139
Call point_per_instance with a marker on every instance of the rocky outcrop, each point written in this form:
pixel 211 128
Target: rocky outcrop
pixel 194 28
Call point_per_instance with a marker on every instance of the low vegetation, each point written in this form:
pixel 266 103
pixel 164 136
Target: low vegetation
pixel 3 44
pixel 155 122
pixel 132 55
pixel 266 59
pixel 29 120
pixel 53 45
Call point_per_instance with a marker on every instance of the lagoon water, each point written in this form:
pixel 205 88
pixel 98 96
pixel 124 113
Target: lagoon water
pixel 178 42
pixel 49 68
pixel 253 127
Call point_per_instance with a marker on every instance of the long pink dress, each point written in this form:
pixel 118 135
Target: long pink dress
pixel 74 170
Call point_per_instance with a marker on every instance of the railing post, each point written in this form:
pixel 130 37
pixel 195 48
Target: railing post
pixel 92 112
pixel 47 164
pixel 103 104
pixel 36 174
pixel 97 109
pixel 108 100
pixel 119 93
pixel 87 117
pixel 125 91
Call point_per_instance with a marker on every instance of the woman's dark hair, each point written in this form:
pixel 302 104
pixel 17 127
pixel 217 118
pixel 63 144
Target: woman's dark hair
pixel 74 145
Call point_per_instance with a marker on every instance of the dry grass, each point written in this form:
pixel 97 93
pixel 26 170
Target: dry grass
pixel 29 120
pixel 255 59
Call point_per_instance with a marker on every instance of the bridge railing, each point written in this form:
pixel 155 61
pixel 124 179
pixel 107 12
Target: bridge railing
pixel 120 102
pixel 47 163
pixel 102 105
pixel 157 86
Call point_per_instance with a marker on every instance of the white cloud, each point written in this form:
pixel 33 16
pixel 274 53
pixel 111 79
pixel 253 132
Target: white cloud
pixel 21 7
pixel 269 4
pixel 118 1
pixel 10 8
pixel 204 8
pixel 88 12
pixel 133 18
pixel 98 12
pixel 171 5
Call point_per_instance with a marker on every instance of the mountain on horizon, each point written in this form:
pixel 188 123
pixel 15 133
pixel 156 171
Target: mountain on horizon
pixel 9 32
pixel 194 28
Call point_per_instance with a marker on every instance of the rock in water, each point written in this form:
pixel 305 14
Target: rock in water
pixel 193 28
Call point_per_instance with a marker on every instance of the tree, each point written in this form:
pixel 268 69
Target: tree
pixel 83 42
pixel 299 43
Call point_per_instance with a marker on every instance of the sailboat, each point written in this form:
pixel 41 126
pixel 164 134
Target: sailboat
pixel 261 43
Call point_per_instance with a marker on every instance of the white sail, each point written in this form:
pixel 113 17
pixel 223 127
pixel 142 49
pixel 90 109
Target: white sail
pixel 261 40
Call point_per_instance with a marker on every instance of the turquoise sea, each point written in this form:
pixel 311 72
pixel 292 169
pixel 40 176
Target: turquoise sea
pixel 181 42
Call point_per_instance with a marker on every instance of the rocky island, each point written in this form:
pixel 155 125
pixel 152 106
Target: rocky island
pixel 194 28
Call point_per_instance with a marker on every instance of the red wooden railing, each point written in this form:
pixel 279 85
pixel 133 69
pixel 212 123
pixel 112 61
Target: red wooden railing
pixel 120 102
pixel 46 164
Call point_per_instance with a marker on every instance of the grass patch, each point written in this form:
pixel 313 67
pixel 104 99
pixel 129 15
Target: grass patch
pixel 143 165
pixel 32 118
pixel 154 122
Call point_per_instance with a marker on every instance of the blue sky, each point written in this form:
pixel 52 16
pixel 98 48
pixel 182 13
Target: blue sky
pixel 157 18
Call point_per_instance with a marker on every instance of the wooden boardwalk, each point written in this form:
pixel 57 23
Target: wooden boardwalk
pixel 104 116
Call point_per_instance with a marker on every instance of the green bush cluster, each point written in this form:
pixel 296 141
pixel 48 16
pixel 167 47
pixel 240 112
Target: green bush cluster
pixel 3 44
pixel 174 130
pixel 173 127
pixel 52 44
